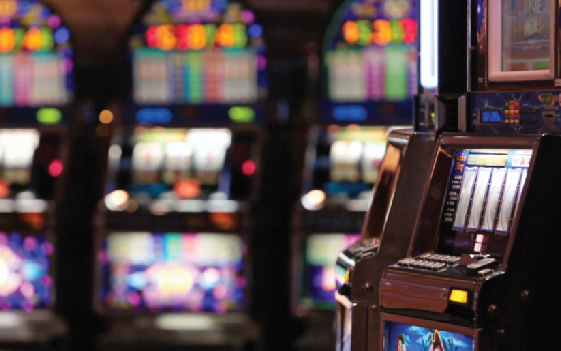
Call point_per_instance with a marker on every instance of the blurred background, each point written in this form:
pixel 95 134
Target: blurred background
pixel 181 174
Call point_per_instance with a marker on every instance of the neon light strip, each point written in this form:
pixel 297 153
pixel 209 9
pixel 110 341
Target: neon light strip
pixel 429 43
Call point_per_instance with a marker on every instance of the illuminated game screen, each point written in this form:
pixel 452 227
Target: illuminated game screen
pixel 526 35
pixel 482 197
pixel 36 67
pixel 402 337
pixel 348 160
pixel 319 267
pixel 370 61
pixel 25 279
pixel 29 164
pixel 172 272
pixel 197 53
pixel 181 163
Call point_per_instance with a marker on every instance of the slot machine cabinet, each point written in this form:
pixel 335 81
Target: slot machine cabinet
pixel 173 250
pixel 478 263
pixel 36 91
pixel 369 75
pixel 380 244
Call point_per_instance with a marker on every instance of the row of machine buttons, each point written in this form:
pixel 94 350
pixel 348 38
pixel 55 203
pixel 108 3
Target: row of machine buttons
pixel 430 265
pixel 440 258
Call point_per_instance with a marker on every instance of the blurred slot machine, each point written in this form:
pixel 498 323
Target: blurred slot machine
pixel 173 262
pixel 369 71
pixel 36 88
pixel 478 274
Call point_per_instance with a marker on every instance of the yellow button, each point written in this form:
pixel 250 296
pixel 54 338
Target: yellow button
pixel 459 296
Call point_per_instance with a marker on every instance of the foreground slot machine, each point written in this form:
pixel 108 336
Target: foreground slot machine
pixel 369 77
pixel 173 248
pixel 36 88
pixel 478 273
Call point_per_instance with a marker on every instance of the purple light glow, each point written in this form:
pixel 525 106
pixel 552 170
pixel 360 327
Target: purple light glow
pixel 261 62
pixel 247 16
pixel 48 249
pixel 47 280
pixel 54 22
pixel 30 243
pixel 3 239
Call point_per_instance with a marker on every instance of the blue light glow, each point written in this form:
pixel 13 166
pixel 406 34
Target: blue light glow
pixel 350 113
pixel 153 115
pixel 62 35
pixel 255 31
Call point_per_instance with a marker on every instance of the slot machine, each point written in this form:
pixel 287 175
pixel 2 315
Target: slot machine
pixel 36 91
pixel 173 254
pixel 369 70
pixel 478 271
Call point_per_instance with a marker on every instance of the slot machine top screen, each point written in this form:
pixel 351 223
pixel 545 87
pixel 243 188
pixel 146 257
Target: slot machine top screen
pixel 370 63
pixel 36 67
pixel 205 54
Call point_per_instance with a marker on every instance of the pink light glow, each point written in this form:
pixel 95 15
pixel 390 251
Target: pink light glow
pixel 261 62
pixel 68 65
pixel 220 292
pixel 27 306
pixel 54 21
pixel 30 243
pixel 247 17
pixel 102 257
pixel 134 299
pixel 3 239
pixel 48 249
pixel 55 168
pixel 47 280
pixel 27 290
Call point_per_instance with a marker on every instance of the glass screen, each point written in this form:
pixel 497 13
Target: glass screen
pixel 319 271
pixel 348 160
pixel 29 163
pixel 405 337
pixel 172 272
pixel 25 281
pixel 484 190
pixel 182 163
pixel 526 35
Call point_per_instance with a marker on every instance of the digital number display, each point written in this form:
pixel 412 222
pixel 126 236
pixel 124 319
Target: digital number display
pixel 198 52
pixel 36 66
pixel 172 272
pixel 490 117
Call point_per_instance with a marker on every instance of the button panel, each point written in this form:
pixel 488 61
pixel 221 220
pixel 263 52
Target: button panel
pixel 430 261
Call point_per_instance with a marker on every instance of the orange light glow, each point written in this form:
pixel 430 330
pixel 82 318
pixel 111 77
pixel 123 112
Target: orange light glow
pixel 8 8
pixel 187 188
pixel 4 189
pixel 167 37
pixel 382 32
pixel 7 39
pixel 351 32
pixel 225 36
pixel 225 221
pixel 33 40
pixel 197 37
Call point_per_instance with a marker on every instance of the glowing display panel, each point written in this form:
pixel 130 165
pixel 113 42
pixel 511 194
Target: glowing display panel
pixel 25 281
pixel 401 337
pixel 370 52
pixel 348 160
pixel 319 270
pixel 36 67
pixel 172 272
pixel 181 163
pixel 196 52
pixel 29 164
pixel 483 193
pixel 526 35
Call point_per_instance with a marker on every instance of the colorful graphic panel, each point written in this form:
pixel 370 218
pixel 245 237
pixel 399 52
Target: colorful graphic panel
pixel 197 52
pixel 404 337
pixel 172 272
pixel 36 67
pixel 25 281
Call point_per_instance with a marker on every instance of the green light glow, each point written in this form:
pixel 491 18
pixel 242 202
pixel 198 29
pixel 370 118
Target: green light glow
pixel 241 114
pixel 49 116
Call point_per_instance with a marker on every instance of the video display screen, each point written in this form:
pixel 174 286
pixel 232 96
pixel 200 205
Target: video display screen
pixel 29 164
pixel 182 163
pixel 405 337
pixel 371 52
pixel 321 251
pixel 195 52
pixel 25 279
pixel 36 58
pixel 483 194
pixel 526 35
pixel 348 160
pixel 174 272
